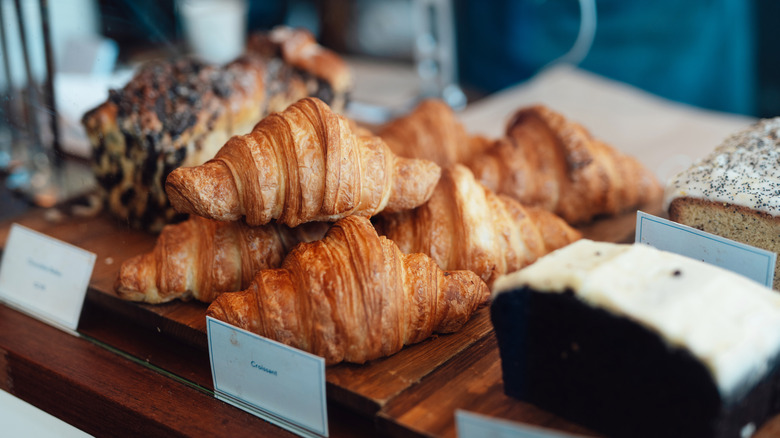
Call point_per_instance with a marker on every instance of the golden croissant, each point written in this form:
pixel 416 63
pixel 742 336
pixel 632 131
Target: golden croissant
pixel 301 165
pixel 433 132
pixel 201 258
pixel 466 226
pixel 548 161
pixel 353 296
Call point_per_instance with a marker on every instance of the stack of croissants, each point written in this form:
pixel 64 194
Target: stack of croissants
pixel 322 235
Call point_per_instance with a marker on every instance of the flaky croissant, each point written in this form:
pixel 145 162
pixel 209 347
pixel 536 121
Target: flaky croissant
pixel 432 132
pixel 201 258
pixel 466 226
pixel 301 165
pixel 548 161
pixel 353 296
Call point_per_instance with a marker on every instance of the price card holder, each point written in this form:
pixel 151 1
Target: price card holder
pixel 281 384
pixel 471 425
pixel 45 277
pixel 754 263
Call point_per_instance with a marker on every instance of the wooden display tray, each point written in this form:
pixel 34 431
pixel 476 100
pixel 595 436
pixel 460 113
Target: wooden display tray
pixel 391 389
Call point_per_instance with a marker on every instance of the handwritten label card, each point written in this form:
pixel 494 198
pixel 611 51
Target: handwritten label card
pixel 45 277
pixel 754 263
pixel 278 383
pixel 471 425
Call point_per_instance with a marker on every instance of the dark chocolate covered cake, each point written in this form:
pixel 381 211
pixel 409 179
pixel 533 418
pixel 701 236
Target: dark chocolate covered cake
pixel 633 341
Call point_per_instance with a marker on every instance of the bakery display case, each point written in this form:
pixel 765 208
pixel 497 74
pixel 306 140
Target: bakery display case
pixel 289 191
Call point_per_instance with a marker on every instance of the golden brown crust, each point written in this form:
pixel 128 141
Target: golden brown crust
pixel 200 258
pixel 466 226
pixel 353 296
pixel 431 132
pixel 548 161
pixel 302 165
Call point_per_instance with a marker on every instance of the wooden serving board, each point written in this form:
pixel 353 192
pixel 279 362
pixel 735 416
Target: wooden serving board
pixel 366 388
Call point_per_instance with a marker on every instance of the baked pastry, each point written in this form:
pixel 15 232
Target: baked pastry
pixel 433 132
pixel 353 296
pixel 301 165
pixel 734 192
pixel 548 161
pixel 466 226
pixel 326 74
pixel 201 258
pixel 179 113
pixel 636 342
pixel 170 114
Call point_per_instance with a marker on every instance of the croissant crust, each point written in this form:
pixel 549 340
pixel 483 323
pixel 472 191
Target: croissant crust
pixel 466 226
pixel 548 161
pixel 201 258
pixel 304 164
pixel 353 296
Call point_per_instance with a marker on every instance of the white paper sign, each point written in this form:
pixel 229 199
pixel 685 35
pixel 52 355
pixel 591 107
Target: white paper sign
pixel 278 383
pixel 471 425
pixel 754 263
pixel 45 277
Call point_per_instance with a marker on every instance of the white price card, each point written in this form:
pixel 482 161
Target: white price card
pixel 754 263
pixel 283 385
pixel 471 425
pixel 45 277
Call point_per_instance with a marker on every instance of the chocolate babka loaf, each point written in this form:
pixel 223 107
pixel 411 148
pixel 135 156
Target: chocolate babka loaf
pixel 180 112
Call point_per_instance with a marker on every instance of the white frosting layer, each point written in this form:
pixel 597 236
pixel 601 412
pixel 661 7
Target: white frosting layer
pixel 744 170
pixel 730 323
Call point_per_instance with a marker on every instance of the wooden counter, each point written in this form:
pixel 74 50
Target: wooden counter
pixel 105 393
pixel 136 364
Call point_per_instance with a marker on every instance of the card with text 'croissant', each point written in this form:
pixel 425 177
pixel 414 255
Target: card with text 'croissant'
pixel 283 385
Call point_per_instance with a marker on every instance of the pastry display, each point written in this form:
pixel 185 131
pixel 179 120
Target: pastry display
pixel 548 161
pixel 201 258
pixel 633 341
pixel 734 192
pixel 303 164
pixel 466 226
pixel 353 296
pixel 433 132
pixel 180 112
pixel 256 219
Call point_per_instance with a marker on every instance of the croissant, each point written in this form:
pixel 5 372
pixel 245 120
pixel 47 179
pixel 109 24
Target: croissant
pixel 201 258
pixel 548 161
pixel 353 296
pixel 466 226
pixel 431 132
pixel 301 165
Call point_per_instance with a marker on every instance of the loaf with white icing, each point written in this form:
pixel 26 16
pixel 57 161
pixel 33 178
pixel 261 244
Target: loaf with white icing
pixel 633 341
pixel 734 192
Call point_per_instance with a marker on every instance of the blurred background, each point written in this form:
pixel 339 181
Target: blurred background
pixel 60 58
